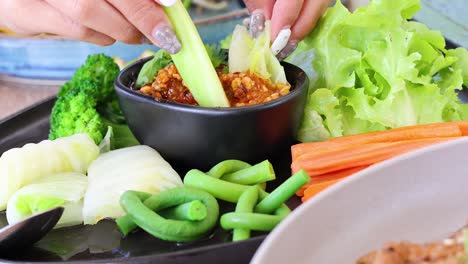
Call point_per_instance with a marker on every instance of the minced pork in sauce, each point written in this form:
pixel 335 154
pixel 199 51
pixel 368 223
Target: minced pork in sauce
pixel 241 88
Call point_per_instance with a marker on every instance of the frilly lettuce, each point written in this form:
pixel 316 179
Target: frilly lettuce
pixel 374 70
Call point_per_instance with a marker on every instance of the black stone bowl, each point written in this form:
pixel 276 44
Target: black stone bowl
pixel 198 137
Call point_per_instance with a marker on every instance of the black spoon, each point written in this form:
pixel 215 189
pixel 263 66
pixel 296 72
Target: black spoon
pixel 28 231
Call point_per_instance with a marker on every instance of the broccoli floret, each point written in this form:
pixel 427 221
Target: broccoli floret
pixel 88 104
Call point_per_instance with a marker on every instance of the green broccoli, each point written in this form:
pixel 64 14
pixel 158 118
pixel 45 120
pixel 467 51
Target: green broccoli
pixel 88 104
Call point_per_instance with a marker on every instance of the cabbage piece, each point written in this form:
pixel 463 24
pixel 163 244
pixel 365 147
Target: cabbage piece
pixel 138 168
pixel 22 166
pixel 64 189
pixel 254 54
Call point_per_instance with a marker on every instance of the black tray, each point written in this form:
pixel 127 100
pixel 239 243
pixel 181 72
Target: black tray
pixel 103 239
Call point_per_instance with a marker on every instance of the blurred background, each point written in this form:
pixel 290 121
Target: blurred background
pixel 32 69
pixel 52 58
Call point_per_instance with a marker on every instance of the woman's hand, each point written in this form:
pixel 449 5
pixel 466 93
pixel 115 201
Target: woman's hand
pixel 297 17
pixel 97 21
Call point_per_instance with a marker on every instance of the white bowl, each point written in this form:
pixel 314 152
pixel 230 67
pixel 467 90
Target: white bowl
pixel 420 196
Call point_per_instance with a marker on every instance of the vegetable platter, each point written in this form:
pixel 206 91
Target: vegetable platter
pixel 103 242
pixel 372 100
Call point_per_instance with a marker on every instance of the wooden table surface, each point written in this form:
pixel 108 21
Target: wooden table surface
pixel 17 95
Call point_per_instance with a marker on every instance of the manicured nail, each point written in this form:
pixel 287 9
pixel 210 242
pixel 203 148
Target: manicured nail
pixel 281 40
pixel 246 22
pixel 257 23
pixel 168 2
pixel 287 50
pixel 167 39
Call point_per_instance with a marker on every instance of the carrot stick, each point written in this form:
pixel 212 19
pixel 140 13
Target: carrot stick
pixel 463 125
pixel 329 177
pixel 434 130
pixel 358 155
pixel 316 188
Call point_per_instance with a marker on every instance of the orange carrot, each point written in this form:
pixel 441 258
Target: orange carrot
pixel 316 188
pixel 358 155
pixel 463 125
pixel 434 130
pixel 329 177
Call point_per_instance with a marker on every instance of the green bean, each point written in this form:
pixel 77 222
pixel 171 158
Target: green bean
pixel 144 215
pixel 282 193
pixel 251 221
pixel 125 223
pixel 259 173
pixel 227 166
pixel 191 211
pixel 220 189
pixel 246 204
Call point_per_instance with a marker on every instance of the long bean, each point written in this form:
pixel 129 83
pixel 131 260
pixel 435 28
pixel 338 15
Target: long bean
pixel 259 173
pixel 144 215
pixel 227 166
pixel 125 223
pixel 246 204
pixel 220 189
pixel 251 221
pixel 282 193
pixel 191 211
pixel 283 210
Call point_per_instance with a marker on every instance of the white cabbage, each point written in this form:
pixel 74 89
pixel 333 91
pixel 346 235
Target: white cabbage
pixel 21 166
pixel 64 189
pixel 138 168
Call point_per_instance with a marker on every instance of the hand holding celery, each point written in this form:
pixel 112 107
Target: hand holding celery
pixel 193 62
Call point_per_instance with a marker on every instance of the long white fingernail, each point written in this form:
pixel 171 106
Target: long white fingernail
pixel 168 2
pixel 166 39
pixel 281 40
pixel 257 23
pixel 290 47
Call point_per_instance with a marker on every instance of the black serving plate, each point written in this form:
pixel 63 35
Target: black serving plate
pixel 102 243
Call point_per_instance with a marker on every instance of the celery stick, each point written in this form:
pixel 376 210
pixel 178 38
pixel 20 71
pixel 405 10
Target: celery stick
pixel 193 62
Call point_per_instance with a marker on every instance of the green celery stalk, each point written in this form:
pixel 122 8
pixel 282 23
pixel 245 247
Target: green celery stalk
pixel 193 62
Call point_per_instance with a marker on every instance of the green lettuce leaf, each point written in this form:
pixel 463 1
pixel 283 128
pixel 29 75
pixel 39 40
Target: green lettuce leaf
pixel 148 72
pixel 374 69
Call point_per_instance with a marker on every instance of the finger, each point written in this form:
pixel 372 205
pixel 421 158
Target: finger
pixel 39 17
pixel 308 17
pixel 264 5
pixel 260 10
pixel 285 13
pixel 100 16
pixel 149 18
